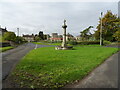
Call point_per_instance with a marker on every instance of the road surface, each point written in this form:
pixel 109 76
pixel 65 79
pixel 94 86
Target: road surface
pixel 11 57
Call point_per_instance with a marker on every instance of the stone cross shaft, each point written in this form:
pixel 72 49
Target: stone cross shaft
pixel 64 34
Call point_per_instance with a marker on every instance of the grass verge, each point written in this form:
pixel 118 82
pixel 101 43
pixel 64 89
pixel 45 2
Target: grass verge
pixel 2 49
pixel 50 68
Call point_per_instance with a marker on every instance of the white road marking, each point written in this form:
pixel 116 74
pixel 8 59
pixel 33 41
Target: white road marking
pixel 36 46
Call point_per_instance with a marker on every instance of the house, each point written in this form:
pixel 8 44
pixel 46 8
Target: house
pixel 29 38
pixel 70 37
pixel 79 38
pixel 56 37
pixel 3 30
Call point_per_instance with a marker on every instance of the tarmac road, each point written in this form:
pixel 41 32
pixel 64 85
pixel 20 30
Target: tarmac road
pixel 11 58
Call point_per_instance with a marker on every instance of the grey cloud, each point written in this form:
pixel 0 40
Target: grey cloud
pixel 48 17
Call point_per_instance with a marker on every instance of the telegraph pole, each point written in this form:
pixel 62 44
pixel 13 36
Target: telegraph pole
pixel 101 29
pixel 18 32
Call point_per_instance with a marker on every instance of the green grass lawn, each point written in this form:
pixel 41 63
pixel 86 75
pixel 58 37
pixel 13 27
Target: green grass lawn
pixel 91 45
pixel 42 43
pixel 50 68
pixel 2 49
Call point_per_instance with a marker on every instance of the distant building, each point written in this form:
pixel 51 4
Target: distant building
pixel 60 36
pixel 2 31
pixel 70 37
pixel 29 38
pixel 56 37
pixel 92 38
pixel 78 38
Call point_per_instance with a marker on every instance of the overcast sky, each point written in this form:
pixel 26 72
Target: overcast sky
pixel 32 17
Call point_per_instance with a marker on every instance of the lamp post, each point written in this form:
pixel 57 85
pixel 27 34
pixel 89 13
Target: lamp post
pixel 101 30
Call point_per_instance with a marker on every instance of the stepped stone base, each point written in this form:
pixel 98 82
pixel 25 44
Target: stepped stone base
pixel 63 48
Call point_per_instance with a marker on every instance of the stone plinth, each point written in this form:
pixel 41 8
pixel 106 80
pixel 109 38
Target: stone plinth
pixel 63 48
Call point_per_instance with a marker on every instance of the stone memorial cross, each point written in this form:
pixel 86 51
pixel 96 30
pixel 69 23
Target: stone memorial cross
pixel 64 34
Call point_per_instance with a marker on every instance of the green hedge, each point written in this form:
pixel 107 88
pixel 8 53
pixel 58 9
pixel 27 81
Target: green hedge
pixel 72 42
pixel 54 41
pixel 88 42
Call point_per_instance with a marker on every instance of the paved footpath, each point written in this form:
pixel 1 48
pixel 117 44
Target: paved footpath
pixel 104 76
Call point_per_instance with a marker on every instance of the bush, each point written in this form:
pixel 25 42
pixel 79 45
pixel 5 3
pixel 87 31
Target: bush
pixel 88 42
pixel 54 41
pixel 37 38
pixel 106 42
pixel 72 42
pixel 18 40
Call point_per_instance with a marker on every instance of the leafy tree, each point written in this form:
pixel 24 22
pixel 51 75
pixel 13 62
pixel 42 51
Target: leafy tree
pixel 37 38
pixel 19 39
pixel 41 35
pixel 117 35
pixel 45 37
pixel 85 34
pixel 9 36
pixel 110 24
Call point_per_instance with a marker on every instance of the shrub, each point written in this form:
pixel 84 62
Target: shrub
pixel 54 41
pixel 106 42
pixel 59 41
pixel 88 42
pixel 72 42
pixel 18 40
